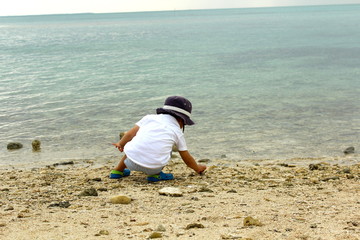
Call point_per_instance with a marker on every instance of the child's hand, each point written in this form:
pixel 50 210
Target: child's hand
pixel 201 168
pixel 118 146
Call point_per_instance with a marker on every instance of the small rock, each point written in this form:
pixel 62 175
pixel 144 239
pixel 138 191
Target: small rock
pixel 2 224
pixel 205 189
pixel 36 145
pixel 330 178
pixel 249 221
pixel 317 166
pixel 349 150
pixel 160 228
pixel 122 134
pixel 120 200
pixel 89 192
pixel 231 236
pixel 350 176
pixel 287 165
pixel 206 160
pixel 353 223
pixel 64 204
pixel 104 232
pixel 10 208
pixel 14 146
pixel 194 225
pixel 64 163
pixel 171 191
pixel 155 235
pixel 313 167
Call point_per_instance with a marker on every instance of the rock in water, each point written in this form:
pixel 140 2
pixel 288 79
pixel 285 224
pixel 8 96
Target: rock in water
pixel 349 150
pixel 122 134
pixel 120 200
pixel 171 191
pixel 14 146
pixel 36 145
pixel 63 163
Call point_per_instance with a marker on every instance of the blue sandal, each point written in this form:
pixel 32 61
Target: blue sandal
pixel 160 177
pixel 114 174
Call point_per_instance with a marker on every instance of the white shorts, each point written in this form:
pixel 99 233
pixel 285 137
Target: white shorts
pixel 136 167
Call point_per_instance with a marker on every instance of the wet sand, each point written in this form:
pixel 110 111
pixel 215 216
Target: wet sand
pixel 229 201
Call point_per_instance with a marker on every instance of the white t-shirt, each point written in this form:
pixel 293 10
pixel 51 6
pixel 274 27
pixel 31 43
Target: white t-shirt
pixel 152 145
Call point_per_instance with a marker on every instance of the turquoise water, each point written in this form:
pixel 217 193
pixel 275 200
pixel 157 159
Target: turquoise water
pixel 265 83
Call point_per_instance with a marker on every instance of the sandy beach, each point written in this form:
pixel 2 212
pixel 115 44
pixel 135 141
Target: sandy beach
pixel 230 201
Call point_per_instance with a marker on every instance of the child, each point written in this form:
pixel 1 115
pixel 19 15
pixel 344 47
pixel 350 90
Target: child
pixel 148 145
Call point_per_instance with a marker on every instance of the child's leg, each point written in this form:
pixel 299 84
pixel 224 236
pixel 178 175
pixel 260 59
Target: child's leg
pixel 121 166
pixel 120 170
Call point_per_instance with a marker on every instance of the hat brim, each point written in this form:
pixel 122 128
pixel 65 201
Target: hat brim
pixel 186 119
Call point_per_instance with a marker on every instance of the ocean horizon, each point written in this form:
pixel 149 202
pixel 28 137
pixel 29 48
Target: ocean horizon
pixel 277 83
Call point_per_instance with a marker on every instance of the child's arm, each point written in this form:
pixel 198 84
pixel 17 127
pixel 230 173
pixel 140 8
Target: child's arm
pixel 126 138
pixel 191 163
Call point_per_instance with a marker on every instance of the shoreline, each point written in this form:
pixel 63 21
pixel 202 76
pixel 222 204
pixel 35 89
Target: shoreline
pixel 345 159
pixel 283 201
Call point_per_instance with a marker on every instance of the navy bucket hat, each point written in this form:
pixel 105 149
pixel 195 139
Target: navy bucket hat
pixel 178 107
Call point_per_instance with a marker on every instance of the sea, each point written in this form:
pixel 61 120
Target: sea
pixel 267 84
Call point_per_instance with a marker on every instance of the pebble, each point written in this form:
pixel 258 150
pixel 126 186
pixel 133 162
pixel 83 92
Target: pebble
pixel 14 146
pixel 194 225
pixel 231 236
pixel 104 232
pixel 206 160
pixel 9 208
pixel 349 150
pixel 36 145
pixel 63 163
pixel 64 204
pixel 89 192
pixel 122 134
pixel 97 179
pixel 120 200
pixel 155 235
pixel 205 189
pixel 250 221
pixel 330 178
pixel 160 228
pixel 171 191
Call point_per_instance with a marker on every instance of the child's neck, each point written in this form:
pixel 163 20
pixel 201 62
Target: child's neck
pixel 181 123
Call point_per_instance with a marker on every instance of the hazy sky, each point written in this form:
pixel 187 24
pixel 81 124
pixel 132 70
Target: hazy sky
pixel 31 7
